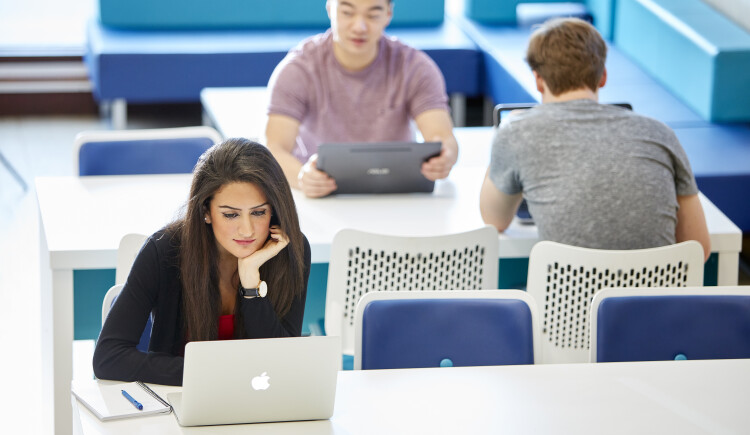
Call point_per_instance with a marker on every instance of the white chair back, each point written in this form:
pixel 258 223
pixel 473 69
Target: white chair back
pixel 563 279
pixel 362 262
pixel 109 297
pixel 129 247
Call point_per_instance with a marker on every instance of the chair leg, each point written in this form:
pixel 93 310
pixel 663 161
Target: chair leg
pixel 458 109
pixel 119 114
pixel 13 172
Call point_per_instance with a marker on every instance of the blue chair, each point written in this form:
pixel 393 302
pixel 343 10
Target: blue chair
pixel 109 301
pixel 651 324
pixel 154 151
pixel 448 328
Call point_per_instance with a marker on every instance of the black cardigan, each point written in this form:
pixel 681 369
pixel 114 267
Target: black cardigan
pixel 154 286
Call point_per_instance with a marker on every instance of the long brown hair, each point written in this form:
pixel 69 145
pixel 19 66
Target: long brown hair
pixel 234 160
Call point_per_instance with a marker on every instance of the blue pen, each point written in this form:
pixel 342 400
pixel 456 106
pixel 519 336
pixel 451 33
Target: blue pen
pixel 135 403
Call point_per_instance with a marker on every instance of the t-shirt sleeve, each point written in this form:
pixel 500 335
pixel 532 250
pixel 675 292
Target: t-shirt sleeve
pixel 116 356
pixel 288 87
pixel 683 174
pixel 426 87
pixel 503 168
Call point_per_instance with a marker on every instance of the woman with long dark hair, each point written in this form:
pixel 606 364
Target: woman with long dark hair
pixel 235 266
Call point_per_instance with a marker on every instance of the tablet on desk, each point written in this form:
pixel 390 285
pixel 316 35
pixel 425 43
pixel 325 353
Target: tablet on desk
pixel 378 167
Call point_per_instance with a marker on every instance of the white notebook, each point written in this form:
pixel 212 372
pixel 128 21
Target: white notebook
pixel 107 402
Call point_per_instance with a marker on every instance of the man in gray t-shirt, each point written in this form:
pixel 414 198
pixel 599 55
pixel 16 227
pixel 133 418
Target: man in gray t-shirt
pixel 593 175
pixel 355 84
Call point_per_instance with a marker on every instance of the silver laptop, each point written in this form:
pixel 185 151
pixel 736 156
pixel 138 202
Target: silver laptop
pixel 258 380
pixel 378 167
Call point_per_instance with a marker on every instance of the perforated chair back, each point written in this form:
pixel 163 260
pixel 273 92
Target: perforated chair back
pixel 363 262
pixel 563 279
pixel 152 151
pixel 130 245
pixel 109 300
pixel 651 324
pixel 445 329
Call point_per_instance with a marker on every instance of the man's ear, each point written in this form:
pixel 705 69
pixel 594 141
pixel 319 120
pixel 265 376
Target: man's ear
pixel 539 82
pixel 389 13
pixel 603 80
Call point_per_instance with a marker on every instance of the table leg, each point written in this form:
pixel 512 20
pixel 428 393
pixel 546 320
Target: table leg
pixel 729 266
pixel 57 342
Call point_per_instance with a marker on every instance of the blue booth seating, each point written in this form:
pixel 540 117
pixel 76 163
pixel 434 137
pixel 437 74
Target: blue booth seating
pixel 701 56
pixel 157 66
pixel 504 12
pixel 719 153
pixel 148 64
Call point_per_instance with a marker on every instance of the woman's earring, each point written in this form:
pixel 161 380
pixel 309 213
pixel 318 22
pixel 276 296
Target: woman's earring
pixel 206 219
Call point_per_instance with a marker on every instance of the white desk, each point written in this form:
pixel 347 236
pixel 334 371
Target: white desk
pixel 683 397
pixel 83 219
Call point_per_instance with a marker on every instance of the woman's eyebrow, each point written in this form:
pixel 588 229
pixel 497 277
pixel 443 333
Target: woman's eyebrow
pixel 235 208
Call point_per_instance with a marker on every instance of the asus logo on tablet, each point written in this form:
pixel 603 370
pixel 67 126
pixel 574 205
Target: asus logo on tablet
pixel 378 171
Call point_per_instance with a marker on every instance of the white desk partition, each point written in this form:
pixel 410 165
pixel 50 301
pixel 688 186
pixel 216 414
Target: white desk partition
pixel 681 397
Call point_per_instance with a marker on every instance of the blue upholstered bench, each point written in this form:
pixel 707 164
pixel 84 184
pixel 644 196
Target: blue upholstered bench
pixel 697 53
pixel 132 58
pixel 505 12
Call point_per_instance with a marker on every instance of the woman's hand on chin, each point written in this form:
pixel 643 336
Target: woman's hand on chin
pixel 249 266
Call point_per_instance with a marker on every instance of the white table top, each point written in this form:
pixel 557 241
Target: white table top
pixel 85 217
pixel 683 397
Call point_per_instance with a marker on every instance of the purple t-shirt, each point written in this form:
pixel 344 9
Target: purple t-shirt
pixel 336 105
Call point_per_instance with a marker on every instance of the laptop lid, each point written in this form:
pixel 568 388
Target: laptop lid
pixel 378 167
pixel 258 380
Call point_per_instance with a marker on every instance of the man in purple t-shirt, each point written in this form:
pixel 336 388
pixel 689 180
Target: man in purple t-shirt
pixel 354 84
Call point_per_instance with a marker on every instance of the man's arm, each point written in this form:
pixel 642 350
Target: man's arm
pixel 497 208
pixel 691 223
pixel 281 138
pixel 436 125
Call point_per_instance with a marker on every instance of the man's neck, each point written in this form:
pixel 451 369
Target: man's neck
pixel 353 63
pixel 578 94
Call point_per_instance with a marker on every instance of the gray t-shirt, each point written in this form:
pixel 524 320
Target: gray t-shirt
pixel 333 104
pixel 593 175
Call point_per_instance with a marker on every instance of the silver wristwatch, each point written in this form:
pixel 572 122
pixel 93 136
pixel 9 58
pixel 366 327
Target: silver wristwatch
pixel 249 293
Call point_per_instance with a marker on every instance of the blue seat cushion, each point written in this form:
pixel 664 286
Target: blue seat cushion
pixel 163 156
pixel 410 333
pixel 650 328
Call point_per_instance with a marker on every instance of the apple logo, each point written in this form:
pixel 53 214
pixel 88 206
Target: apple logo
pixel 261 382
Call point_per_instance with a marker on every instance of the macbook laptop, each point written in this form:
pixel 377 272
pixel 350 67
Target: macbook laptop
pixel 258 380
pixel 378 167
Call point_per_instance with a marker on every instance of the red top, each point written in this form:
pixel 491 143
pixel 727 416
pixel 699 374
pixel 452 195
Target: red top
pixel 226 327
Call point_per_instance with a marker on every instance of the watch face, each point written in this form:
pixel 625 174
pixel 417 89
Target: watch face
pixel 262 289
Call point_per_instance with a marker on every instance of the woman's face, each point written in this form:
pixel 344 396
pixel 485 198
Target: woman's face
pixel 240 216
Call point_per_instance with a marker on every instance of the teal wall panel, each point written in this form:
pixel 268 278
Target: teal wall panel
pixel 89 288
pixel 247 14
